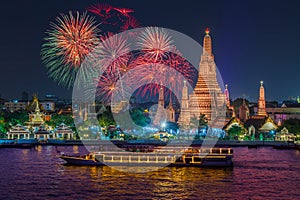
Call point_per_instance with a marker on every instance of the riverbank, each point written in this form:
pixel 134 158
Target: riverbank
pixel 219 143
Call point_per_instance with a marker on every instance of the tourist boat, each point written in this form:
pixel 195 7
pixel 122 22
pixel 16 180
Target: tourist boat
pixel 197 157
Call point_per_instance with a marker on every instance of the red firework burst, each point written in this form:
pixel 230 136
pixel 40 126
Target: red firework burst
pixel 115 56
pixel 124 11
pixel 171 72
pixel 102 10
pixel 155 43
pixel 107 86
pixel 151 76
pixel 130 23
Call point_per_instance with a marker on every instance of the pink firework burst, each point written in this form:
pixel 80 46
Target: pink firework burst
pixel 151 76
pixel 115 56
pixel 107 85
pixel 177 62
pixel 114 51
pixel 155 43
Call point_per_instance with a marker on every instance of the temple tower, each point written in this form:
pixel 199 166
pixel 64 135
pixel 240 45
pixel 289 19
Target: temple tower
pixel 261 101
pixel 207 98
pixel 230 108
pixel 184 118
pixel 160 116
pixel 226 92
pixel 170 111
pixel 244 113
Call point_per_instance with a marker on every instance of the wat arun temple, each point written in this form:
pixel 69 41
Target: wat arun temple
pixel 207 97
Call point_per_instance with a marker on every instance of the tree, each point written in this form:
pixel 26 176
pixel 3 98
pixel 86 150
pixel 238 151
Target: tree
pixel 138 117
pixel 235 131
pixel 17 117
pixel 57 119
pixel 200 123
pixel 3 127
pixel 293 125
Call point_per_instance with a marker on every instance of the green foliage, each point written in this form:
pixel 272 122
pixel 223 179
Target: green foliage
pixel 17 117
pixel 57 119
pixel 293 125
pixel 138 117
pixel 3 127
pixel 234 131
pixel 106 118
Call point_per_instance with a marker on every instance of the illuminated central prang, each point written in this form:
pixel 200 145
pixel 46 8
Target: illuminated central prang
pixel 207 98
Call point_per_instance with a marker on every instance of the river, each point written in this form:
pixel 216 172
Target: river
pixel 262 173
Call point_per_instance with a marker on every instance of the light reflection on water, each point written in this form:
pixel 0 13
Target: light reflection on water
pixel 39 174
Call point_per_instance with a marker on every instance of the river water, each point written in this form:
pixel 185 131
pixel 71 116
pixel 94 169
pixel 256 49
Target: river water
pixel 262 173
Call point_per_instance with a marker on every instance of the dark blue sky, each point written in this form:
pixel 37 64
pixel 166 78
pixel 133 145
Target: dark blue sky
pixel 252 41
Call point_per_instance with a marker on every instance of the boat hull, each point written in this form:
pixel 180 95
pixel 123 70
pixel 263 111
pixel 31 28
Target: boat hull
pixel 206 162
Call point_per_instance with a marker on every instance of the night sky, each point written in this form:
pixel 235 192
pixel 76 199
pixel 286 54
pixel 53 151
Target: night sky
pixel 252 41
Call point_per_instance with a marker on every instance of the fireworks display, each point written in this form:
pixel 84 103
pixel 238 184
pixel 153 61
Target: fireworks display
pixel 110 83
pixel 115 53
pixel 130 23
pixel 171 72
pixel 68 42
pixel 72 37
pixel 114 19
pixel 156 43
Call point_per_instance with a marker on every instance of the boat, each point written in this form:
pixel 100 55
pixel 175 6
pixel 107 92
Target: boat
pixel 181 157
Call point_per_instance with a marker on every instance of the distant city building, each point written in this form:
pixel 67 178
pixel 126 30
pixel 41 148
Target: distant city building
pixel 48 106
pixel 15 105
pixel 285 112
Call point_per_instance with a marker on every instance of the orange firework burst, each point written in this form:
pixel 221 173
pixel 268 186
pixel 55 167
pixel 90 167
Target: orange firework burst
pixel 68 42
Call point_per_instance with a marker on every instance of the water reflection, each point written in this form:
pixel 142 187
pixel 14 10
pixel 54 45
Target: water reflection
pixel 258 174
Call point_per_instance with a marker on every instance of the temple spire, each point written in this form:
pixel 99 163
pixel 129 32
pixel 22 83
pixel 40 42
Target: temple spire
pixel 261 100
pixel 184 118
pixel 171 111
pixel 171 102
pixel 207 44
pixel 185 98
pixel 226 92
pixel 161 114
pixel 161 100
